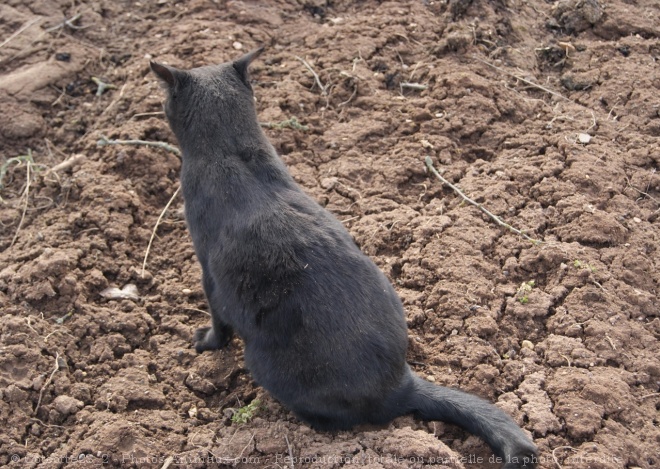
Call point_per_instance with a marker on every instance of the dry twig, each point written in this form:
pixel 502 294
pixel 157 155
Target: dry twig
pixel 153 233
pixel 165 146
pixel 168 462
pixel 19 31
pixel 69 22
pixel 413 86
pixel 494 217
pixel 25 196
pixel 66 164
pixel 645 194
pixel 531 83
pixel 323 88
pixel 554 458
pixel 288 445
pixel 29 49
pixel 147 114
pixel 50 378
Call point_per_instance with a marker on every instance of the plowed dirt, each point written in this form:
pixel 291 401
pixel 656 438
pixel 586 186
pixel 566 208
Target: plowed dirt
pixel 546 113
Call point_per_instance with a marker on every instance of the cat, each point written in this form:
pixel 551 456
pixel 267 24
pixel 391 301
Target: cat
pixel 324 331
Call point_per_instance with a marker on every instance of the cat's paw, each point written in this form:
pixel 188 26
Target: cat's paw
pixel 205 338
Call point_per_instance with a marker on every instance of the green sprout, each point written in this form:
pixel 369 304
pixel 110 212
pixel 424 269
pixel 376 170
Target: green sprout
pixel 246 413
pixel 523 291
pixel 292 123
pixel 583 265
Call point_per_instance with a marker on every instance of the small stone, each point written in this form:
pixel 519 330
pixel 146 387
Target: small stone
pixel 431 379
pixel 637 220
pixel 186 291
pixel 67 405
pixel 584 138
pixel 237 45
pixel 329 183
pixel 527 344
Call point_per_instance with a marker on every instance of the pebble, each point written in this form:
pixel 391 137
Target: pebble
pixel 237 45
pixel 527 344
pixel 584 138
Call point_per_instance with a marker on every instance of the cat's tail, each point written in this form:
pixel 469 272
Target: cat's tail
pixel 479 417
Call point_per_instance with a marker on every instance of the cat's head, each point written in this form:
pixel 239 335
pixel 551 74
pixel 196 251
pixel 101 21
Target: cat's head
pixel 213 97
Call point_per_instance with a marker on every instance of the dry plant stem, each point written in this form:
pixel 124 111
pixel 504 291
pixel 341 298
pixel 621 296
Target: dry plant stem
pixel 66 164
pixel 198 310
pixel 494 217
pixel 27 50
pixel 26 197
pixel 50 378
pixel 642 192
pixel 20 30
pixel 288 445
pixel 413 86
pixel 355 90
pixel 165 146
pixel 153 233
pixel 68 23
pixel 146 114
pixel 44 423
pixel 531 83
pixel 316 77
pixel 554 458
pixel 168 462
pixel 116 100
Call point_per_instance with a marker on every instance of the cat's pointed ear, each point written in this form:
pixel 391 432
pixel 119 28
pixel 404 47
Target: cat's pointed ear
pixel 242 64
pixel 168 75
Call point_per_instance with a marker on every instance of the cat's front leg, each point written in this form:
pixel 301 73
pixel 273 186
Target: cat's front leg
pixel 220 333
pixel 212 338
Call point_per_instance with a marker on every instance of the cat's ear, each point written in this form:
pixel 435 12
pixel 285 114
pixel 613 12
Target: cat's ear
pixel 168 75
pixel 242 64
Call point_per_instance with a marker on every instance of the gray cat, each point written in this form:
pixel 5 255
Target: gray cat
pixel 324 331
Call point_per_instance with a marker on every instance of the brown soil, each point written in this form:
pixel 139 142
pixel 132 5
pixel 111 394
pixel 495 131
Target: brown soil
pixel 90 380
